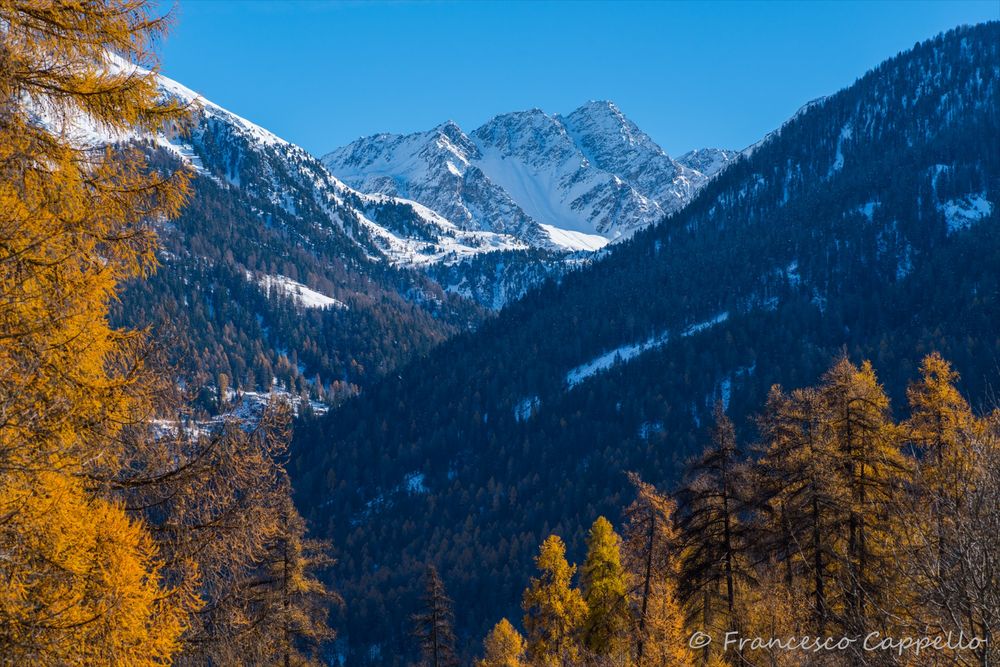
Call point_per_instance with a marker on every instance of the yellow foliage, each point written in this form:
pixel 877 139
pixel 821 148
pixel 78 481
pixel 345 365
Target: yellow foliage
pixel 503 647
pixel 85 586
pixel 871 468
pixel 941 423
pixel 554 611
pixel 659 636
pixel 80 580
pixel 605 590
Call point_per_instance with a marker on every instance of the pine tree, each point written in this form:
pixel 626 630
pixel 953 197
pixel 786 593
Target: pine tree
pixel 649 554
pixel 432 625
pixel 503 647
pixel 554 611
pixel 605 590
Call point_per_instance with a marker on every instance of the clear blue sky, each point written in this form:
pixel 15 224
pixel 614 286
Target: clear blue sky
pixel 690 74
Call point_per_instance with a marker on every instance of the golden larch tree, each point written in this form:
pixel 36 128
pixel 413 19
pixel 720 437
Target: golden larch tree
pixel 503 647
pixel 554 611
pixel 943 428
pixel 871 468
pixel 803 507
pixel 605 590
pixel 81 579
pixel 649 551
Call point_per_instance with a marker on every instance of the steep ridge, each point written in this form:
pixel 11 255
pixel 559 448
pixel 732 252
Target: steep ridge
pixel 709 161
pixel 435 168
pixel 613 143
pixel 867 223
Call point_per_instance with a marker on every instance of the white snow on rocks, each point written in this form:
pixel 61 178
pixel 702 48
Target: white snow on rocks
pixel 846 133
pixel 571 240
pixel 524 410
pixel 569 183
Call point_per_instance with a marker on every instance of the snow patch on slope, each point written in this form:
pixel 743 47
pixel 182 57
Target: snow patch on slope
pixel 302 295
pixel 964 212
pixel 527 407
pixel 451 243
pixel 627 352
pixel 846 133
pixel 571 240
pixel 708 161
pixel 538 190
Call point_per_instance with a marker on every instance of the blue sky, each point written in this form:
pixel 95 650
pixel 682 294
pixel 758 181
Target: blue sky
pixel 690 74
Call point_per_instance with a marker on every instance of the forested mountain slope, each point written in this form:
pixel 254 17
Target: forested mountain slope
pixel 868 223
pixel 276 270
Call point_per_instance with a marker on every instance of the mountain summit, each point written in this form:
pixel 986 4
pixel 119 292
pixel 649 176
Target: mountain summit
pixel 560 183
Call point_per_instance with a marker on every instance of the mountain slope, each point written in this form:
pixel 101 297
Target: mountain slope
pixel 435 168
pixel 278 272
pixel 867 223
pixel 613 143
pixel 557 183
pixel 709 161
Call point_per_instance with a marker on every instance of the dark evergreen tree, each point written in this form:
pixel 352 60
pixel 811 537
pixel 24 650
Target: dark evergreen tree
pixel 801 505
pixel 433 624
pixel 712 504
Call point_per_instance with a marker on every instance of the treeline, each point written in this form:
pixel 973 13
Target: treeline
pixel 124 540
pixel 843 538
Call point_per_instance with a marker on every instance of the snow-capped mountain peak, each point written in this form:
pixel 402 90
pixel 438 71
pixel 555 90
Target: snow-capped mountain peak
pixel 531 136
pixel 557 182
pixel 207 107
pixel 604 132
pixel 615 144
pixel 525 180
pixel 237 153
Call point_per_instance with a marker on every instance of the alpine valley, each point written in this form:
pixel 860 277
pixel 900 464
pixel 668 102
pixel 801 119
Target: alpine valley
pixel 533 394
pixel 499 324
pixel 319 278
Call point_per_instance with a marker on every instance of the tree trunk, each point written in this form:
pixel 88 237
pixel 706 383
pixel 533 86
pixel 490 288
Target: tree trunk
pixel 648 575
